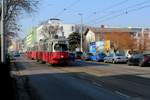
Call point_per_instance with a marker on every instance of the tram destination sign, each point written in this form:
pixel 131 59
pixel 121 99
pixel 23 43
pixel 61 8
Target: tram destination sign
pixel 61 42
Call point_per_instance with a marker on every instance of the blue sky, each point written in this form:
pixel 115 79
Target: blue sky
pixel 118 13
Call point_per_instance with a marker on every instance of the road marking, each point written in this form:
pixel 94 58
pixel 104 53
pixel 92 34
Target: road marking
pixel 122 94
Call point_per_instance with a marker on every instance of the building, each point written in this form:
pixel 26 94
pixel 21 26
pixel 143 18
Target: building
pixel 67 29
pixel 103 34
pixel 30 39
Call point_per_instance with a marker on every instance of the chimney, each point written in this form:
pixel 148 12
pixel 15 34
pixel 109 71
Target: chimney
pixel 102 26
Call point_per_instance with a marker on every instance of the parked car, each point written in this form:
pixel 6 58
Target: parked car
pixel 72 57
pixel 87 56
pixel 139 59
pixel 16 54
pixel 78 55
pixel 116 58
pixel 100 56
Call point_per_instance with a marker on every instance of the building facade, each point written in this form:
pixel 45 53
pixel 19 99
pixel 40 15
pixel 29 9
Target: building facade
pixel 105 34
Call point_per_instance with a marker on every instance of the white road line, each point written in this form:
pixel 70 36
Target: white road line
pixel 122 94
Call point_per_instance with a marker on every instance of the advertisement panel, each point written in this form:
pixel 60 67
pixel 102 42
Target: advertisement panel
pixel 92 47
pixel 100 46
pixel 107 44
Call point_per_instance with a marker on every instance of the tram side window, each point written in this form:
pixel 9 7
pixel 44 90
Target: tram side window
pixel 50 46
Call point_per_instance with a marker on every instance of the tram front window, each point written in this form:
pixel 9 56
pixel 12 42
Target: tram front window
pixel 60 47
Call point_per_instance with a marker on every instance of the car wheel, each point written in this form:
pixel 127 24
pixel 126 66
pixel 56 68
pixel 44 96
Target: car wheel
pixel 141 64
pixel 114 62
pixel 129 64
pixel 105 61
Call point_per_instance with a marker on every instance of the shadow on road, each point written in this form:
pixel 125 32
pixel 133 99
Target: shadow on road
pixel 54 84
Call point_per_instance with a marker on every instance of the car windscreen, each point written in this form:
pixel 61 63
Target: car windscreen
pixel 79 53
pixel 101 54
pixel 60 47
pixel 120 55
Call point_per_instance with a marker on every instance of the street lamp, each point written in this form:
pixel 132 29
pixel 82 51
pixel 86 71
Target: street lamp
pixel 2 33
pixel 81 15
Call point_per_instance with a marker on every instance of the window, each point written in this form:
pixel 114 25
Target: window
pixel 61 28
pixel 60 47
pixel 72 28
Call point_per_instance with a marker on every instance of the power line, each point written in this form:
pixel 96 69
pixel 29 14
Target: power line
pixel 109 7
pixel 120 10
pixel 69 6
pixel 112 6
pixel 132 6
pixel 125 13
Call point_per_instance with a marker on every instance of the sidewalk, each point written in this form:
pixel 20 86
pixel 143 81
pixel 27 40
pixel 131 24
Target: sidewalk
pixel 20 83
pixel 7 83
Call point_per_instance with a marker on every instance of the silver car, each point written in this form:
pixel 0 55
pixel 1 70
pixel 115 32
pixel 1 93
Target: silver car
pixel 116 58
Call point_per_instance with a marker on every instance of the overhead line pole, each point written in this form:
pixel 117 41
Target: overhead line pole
pixel 2 34
pixel 81 44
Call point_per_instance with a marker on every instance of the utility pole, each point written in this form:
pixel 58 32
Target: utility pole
pixel 81 44
pixel 2 34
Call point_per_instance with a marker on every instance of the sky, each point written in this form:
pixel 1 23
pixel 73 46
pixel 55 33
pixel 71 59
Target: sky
pixel 113 13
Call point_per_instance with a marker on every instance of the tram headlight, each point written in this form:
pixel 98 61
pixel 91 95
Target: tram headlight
pixel 62 56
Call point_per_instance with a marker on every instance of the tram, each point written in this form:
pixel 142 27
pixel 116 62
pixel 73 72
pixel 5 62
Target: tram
pixel 53 51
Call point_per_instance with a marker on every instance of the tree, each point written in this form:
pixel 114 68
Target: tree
pixel 144 42
pixel 49 30
pixel 121 40
pixel 74 41
pixel 14 8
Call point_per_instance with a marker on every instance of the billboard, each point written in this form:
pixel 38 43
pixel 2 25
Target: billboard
pixel 92 47
pixel 100 46
pixel 107 44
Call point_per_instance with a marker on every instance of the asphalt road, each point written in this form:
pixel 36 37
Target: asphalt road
pixel 82 81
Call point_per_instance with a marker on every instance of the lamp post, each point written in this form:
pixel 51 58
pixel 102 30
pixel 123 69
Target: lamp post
pixel 2 33
pixel 81 44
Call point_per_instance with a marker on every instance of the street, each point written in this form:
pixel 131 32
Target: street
pixel 80 81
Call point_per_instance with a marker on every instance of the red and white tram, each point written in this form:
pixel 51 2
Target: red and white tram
pixel 54 51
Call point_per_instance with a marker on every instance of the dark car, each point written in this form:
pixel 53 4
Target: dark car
pixel 78 55
pixel 87 56
pixel 72 57
pixel 100 56
pixel 16 54
pixel 139 59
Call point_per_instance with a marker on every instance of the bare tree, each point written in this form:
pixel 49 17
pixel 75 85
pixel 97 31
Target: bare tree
pixel 144 42
pixel 121 40
pixel 51 29
pixel 13 8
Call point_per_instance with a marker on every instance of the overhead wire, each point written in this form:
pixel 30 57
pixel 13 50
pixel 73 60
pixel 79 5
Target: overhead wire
pixel 112 6
pixel 66 8
pixel 124 13
pixel 109 8
pixel 119 11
